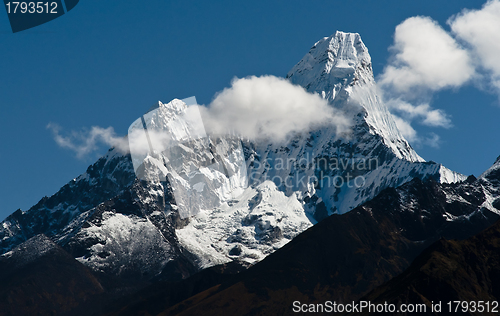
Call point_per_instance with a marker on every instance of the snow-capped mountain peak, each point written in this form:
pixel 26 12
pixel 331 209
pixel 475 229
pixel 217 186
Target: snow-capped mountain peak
pixel 332 59
pixel 339 69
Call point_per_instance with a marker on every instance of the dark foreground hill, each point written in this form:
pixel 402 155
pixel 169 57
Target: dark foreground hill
pixel 450 271
pixel 346 256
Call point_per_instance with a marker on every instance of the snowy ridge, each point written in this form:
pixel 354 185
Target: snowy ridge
pixel 30 250
pixel 490 181
pixel 103 180
pixel 212 168
pixel 124 242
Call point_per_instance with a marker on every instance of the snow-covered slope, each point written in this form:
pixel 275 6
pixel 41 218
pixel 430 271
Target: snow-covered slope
pixel 203 172
pixel 261 221
pixel 118 224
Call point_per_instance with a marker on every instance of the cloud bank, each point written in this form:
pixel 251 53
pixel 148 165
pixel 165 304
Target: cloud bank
pixel 427 58
pixel 271 108
pixel 480 29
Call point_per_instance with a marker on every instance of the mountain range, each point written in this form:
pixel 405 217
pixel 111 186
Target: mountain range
pixel 345 256
pixel 110 242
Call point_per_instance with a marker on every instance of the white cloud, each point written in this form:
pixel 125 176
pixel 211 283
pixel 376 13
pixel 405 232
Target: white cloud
pixel 405 114
pixel 481 30
pixel 86 142
pixel 269 107
pixel 425 56
pixel 422 112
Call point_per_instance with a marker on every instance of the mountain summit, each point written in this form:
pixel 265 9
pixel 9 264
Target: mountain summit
pixel 339 68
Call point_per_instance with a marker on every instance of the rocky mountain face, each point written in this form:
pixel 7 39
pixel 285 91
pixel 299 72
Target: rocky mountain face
pixel 346 256
pixel 343 172
pixel 102 181
pixel 453 270
pixel 127 227
pixel 341 258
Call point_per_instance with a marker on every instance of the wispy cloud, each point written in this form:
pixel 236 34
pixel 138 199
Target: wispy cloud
pixel 404 126
pixel 86 142
pixel 406 129
pixel 423 113
pixel 433 140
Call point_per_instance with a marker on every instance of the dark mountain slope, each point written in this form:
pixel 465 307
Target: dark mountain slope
pixel 106 178
pixel 448 271
pixel 345 256
pixel 39 278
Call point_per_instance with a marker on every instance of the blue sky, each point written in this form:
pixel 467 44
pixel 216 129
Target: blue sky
pixel 106 62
